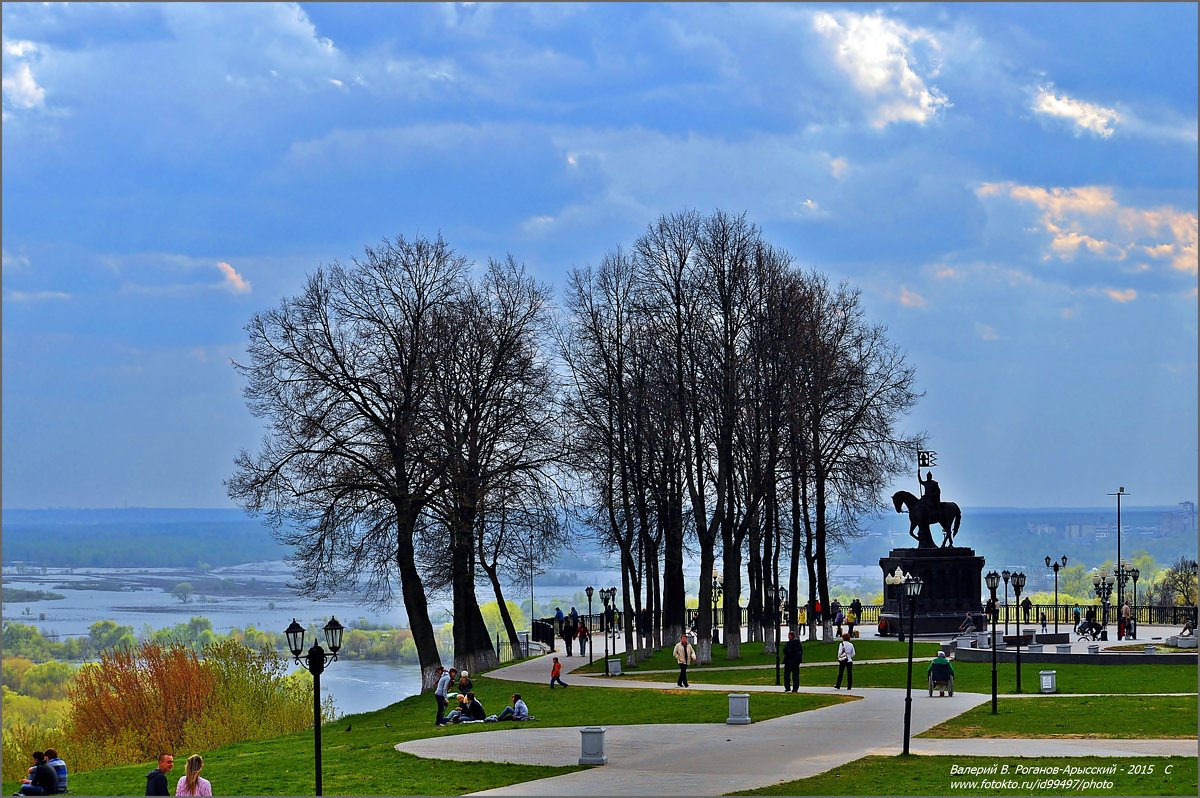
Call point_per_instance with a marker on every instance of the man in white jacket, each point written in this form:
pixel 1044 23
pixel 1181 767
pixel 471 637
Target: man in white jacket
pixel 845 658
pixel 685 654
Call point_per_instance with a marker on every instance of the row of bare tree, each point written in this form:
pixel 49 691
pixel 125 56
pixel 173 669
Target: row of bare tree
pixel 428 428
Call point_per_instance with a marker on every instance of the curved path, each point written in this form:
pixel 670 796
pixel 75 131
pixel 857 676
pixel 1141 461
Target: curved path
pixel 715 759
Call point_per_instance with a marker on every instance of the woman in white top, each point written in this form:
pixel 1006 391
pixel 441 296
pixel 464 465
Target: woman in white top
pixel 845 663
pixel 191 783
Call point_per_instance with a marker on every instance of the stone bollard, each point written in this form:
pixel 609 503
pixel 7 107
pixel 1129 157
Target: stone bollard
pixel 1093 649
pixel 739 709
pixel 592 738
pixel 1150 649
pixel 1035 648
pixel 1064 648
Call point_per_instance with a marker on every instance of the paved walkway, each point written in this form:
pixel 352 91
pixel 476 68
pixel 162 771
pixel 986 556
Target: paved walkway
pixel 715 759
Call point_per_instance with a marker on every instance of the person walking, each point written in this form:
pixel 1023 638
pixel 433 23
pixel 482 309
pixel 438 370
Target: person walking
pixel 793 655
pixel 845 658
pixel 584 637
pixel 439 692
pixel 685 654
pixel 1043 620
pixel 191 782
pixel 1126 620
pixel 568 632
pixel 556 674
pixel 1075 615
pixel 851 620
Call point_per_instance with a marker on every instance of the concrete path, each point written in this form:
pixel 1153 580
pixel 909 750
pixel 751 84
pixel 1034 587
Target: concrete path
pixel 715 759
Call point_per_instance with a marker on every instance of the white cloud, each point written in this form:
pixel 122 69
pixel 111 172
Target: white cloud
pixel 1089 219
pixel 14 263
pixel 911 299
pixel 234 282
pixel 1085 116
pixel 986 332
pixel 35 296
pixel 1121 295
pixel 878 55
pixel 20 87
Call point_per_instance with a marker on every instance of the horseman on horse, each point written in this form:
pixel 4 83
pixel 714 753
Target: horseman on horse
pixel 929 510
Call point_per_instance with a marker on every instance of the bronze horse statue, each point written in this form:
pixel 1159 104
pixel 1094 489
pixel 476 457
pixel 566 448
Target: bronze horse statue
pixel 949 517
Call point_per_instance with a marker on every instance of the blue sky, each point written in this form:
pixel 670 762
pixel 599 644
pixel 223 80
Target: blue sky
pixel 1012 186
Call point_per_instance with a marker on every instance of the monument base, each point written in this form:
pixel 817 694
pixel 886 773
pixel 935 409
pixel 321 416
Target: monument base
pixel 953 579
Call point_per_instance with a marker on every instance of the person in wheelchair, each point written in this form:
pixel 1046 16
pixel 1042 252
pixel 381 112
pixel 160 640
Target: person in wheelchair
pixel 940 675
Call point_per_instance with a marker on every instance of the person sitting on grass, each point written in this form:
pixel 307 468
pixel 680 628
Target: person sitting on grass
pixel 457 715
pixel 60 768
pixel 940 659
pixel 465 685
pixel 41 780
pixel 474 708
pixel 518 710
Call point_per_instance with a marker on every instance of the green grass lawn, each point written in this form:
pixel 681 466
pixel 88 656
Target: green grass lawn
pixel 363 761
pixel 753 654
pixel 930 775
pixel 975 677
pixel 1051 716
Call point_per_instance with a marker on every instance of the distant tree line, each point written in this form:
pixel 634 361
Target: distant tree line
pixel 138 544
pixel 427 426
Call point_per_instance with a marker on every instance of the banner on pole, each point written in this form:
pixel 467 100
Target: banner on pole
pixel 926 458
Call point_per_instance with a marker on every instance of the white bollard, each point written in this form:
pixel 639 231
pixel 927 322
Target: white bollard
pixel 739 709
pixel 592 739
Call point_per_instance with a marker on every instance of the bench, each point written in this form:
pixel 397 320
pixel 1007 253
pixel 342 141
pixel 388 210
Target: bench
pixel 1011 640
pixel 1054 637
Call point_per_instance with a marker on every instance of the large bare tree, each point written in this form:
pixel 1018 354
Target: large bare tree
pixel 341 374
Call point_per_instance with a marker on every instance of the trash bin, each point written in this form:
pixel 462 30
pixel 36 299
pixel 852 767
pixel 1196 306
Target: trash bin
pixel 613 667
pixel 1049 681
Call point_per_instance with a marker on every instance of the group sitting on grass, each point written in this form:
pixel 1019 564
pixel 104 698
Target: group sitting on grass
pixel 47 776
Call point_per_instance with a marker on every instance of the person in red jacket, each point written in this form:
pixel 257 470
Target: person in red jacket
pixel 556 674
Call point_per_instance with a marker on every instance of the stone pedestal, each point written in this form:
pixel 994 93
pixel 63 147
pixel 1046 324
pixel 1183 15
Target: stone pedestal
pixel 953 578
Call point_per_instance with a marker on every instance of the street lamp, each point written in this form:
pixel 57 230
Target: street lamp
pixel 1123 574
pixel 1134 573
pixel 607 596
pixel 1103 583
pixel 1005 575
pixel 1056 565
pixel 912 589
pixel 717 590
pixel 1018 583
pixel 315 661
pixel 589 590
pixel 1120 588
pixel 780 599
pixel 993 581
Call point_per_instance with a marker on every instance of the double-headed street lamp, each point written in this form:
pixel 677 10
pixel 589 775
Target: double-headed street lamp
pixel 1056 565
pixel 993 581
pixel 912 589
pixel 589 590
pixel 717 590
pixel 608 596
pixel 1018 583
pixel 315 661
pixel 1102 583
pixel 1006 575
pixel 1119 493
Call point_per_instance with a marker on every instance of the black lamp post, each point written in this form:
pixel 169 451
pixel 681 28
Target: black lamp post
pixel 315 661
pixel 589 590
pixel 1134 573
pixel 912 589
pixel 1122 580
pixel 717 590
pixel 1005 575
pixel 1120 588
pixel 1103 583
pixel 780 599
pixel 993 581
pixel 1018 583
pixel 605 597
pixel 1056 565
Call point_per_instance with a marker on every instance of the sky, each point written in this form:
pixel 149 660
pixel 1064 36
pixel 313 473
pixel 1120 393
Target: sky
pixel 1013 187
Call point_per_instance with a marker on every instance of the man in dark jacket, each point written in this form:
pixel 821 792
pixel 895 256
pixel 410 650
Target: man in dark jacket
pixel 42 778
pixel 156 780
pixel 793 655
pixel 474 708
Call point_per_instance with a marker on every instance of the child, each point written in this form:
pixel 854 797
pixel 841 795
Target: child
pixel 556 674
pixel 1043 619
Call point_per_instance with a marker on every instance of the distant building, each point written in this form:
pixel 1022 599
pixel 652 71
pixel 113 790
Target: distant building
pixel 1042 529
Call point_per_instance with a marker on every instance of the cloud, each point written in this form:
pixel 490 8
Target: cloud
pixel 1121 295
pixel 13 263
pixel 234 282
pixel 878 54
pixel 1084 116
pixel 911 299
pixel 20 87
pixel 1090 219
pixel 1070 313
pixel 35 296
pixel 986 332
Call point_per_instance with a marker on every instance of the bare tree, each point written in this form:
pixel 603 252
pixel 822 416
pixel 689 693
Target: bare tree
pixel 342 375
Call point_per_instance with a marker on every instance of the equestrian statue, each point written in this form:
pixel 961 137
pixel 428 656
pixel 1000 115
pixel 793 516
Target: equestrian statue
pixel 926 511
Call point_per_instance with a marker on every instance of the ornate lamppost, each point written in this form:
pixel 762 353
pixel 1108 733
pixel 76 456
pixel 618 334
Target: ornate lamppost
pixel 612 599
pixel 780 599
pixel 1005 575
pixel 912 589
pixel 1120 588
pixel 993 581
pixel 1102 583
pixel 589 590
pixel 1054 564
pixel 605 597
pixel 1018 583
pixel 315 661
pixel 717 590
